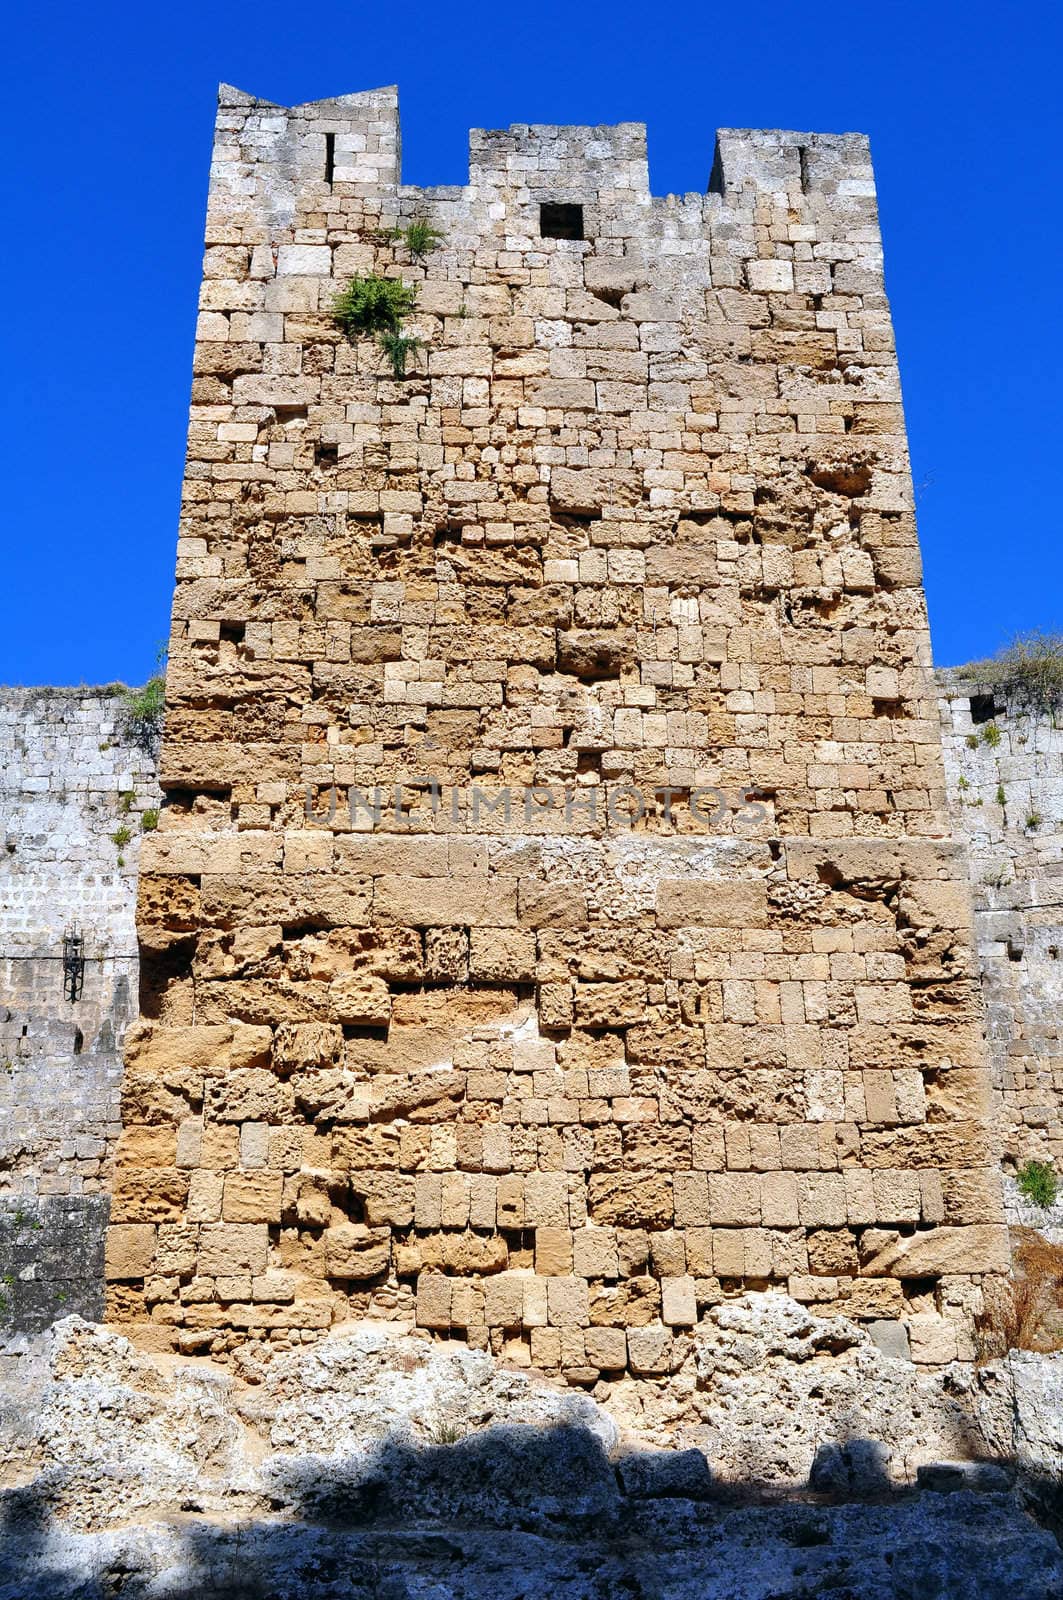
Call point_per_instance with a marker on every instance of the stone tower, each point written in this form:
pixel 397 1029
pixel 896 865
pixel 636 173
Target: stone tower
pixel 553 924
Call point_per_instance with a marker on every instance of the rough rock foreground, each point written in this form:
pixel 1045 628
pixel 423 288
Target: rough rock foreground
pixel 801 1462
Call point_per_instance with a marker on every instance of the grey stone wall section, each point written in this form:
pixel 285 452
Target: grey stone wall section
pixel 70 779
pixel 1005 787
pixel 51 1260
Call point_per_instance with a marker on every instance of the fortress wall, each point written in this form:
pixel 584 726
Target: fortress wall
pixel 64 769
pixel 635 533
pixel 1005 785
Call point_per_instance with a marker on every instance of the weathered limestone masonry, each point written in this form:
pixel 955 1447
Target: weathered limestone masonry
pixel 69 782
pixel 1004 766
pixel 640 518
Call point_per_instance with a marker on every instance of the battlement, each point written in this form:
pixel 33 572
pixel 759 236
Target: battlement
pixel 278 160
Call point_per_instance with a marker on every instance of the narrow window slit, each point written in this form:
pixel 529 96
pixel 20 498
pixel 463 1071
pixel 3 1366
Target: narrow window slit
pixel 330 157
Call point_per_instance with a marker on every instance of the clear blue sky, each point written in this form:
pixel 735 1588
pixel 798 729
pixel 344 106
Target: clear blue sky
pixel 108 119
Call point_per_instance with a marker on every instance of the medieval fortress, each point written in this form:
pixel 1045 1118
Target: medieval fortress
pixel 573 900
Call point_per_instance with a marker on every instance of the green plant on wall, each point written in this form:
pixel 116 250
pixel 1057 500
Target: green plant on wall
pixel 150 820
pixel 991 735
pixel 1001 797
pixel 142 712
pixel 373 305
pixel 1029 670
pixel 1038 1182
pixel 397 347
pixel 140 718
pixel 420 237
pixel 379 305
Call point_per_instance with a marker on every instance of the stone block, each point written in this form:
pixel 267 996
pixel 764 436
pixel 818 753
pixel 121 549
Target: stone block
pixel 567 1302
pixel 233 1248
pixel 932 1338
pixel 252 1197
pixel 938 1251
pixel 504 1300
pixel 606 1348
pixel 650 1351
pixel 433 1301
pixel 130 1250
pixel 356 1253
pixel 693 903
pixel 553 1251
pixel 631 1199
pixel 678 1302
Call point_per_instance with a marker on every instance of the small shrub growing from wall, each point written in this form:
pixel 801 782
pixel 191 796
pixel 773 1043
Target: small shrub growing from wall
pixel 378 305
pixel 1030 670
pixel 420 237
pixel 398 347
pixel 141 715
pixel 1038 1182
pixel 1024 1312
pixel 373 305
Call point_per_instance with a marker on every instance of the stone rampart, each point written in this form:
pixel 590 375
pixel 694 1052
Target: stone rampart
pixel 1004 765
pixel 71 785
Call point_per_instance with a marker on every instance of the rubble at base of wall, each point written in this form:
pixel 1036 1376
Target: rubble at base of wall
pixel 791 1456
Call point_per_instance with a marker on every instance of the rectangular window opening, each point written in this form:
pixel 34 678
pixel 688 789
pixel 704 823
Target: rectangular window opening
pixel 558 221
pixel 983 708
pixel 330 157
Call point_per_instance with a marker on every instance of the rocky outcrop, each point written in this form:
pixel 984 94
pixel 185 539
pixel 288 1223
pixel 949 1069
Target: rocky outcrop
pixel 378 1463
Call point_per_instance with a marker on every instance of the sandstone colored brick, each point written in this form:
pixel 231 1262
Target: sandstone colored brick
pixel 504 1300
pixel 631 1198
pixel 546 1200
pixel 130 1251
pixel 553 1251
pixel 418 902
pixel 355 1252
pixel 233 1248
pixel 734 1197
pixel 594 1253
pixel 683 903
pixel 252 1197
pixel 943 1250
pixel 650 1351
pixel 433 1301
pixel 567 1302
pixel 606 1348
pixel 678 1302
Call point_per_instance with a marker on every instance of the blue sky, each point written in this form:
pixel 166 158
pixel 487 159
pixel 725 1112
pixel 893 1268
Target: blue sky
pixel 109 113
